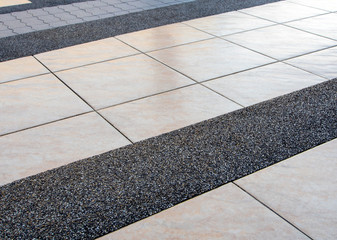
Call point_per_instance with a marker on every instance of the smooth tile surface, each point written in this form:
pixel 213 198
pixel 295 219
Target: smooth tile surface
pixel 28 66
pixel 121 80
pixel 224 213
pixel 261 84
pixel 228 23
pixel 322 25
pixel 281 42
pixel 6 3
pixel 39 149
pixel 33 101
pixel 282 11
pixel 164 36
pixel 210 58
pixel 86 53
pixel 328 5
pixel 323 63
pixel 162 113
pixel 302 189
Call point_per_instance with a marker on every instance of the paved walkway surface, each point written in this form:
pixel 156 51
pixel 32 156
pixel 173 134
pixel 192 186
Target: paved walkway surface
pixel 68 104
pixel 62 15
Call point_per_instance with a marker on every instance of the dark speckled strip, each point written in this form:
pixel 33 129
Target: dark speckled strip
pixel 94 196
pixel 47 40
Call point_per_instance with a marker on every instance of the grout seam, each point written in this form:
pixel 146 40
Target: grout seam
pixel 84 100
pixel 272 210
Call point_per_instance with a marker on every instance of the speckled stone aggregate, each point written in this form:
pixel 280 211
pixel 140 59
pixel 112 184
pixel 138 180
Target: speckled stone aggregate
pixel 94 196
pixel 50 39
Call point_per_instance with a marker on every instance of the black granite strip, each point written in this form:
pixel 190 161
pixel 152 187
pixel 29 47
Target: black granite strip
pixel 47 40
pixel 92 197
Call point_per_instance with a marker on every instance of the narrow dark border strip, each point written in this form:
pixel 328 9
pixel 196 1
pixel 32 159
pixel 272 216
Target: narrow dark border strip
pixel 37 42
pixel 94 196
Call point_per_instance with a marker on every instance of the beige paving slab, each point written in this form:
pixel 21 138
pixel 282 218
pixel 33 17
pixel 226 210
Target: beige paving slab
pixel 210 59
pixel 281 42
pixel 328 5
pixel 87 53
pixel 323 63
pixel 302 189
pixel 37 100
pixel 322 25
pixel 20 68
pixel 224 213
pixel 162 37
pixel 263 83
pixel 122 80
pixel 49 146
pixel 6 3
pixel 282 11
pixel 162 113
pixel 228 23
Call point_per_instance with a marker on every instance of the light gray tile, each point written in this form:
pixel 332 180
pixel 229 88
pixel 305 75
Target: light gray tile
pixel 328 5
pixel 263 83
pixel 85 53
pixel 22 30
pixel 210 59
pixel 58 23
pixel 323 63
pixel 38 12
pixel 6 33
pixel 7 17
pixel 322 25
pixel 121 80
pixel 163 36
pixel 168 111
pixel 282 11
pixel 228 23
pixel 65 16
pixel 53 10
pixel 302 189
pixel 49 146
pixel 15 24
pixel 41 27
pixel 281 42
pixel 224 213
pixel 37 100
pixel 28 67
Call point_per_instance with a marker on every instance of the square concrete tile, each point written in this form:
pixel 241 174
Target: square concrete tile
pixel 28 66
pixel 49 146
pixel 169 111
pixel 224 213
pixel 282 11
pixel 162 37
pixel 7 3
pixel 37 100
pixel 328 5
pixel 281 42
pixel 323 63
pixel 263 83
pixel 302 189
pixel 228 23
pixel 86 53
pixel 322 25
pixel 210 59
pixel 117 81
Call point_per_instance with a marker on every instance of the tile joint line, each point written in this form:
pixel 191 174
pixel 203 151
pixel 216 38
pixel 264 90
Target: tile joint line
pixel 84 100
pixel 265 205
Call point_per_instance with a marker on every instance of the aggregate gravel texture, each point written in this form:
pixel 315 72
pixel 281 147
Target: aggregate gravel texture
pixel 94 196
pixel 50 39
